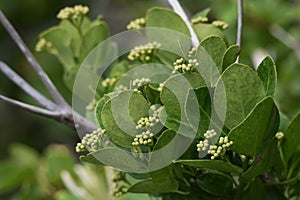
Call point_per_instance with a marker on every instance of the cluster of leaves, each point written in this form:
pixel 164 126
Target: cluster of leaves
pixel 256 161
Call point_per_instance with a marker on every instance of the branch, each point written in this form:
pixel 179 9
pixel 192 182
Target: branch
pixel 27 107
pixel 286 38
pixel 36 66
pixel 239 25
pixel 19 81
pixel 179 10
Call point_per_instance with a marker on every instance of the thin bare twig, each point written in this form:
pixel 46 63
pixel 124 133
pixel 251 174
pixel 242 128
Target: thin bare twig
pixel 179 10
pixel 19 81
pixel 28 107
pixel 287 39
pixel 239 25
pixel 31 59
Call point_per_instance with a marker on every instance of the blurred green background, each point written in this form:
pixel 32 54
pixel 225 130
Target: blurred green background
pixel 33 16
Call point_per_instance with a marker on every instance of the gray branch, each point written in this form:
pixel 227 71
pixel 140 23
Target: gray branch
pixel 19 81
pixel 28 107
pixel 31 59
pixel 239 25
pixel 179 10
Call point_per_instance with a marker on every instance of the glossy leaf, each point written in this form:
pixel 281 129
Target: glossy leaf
pixel 199 119
pixel 243 90
pixel 252 134
pixel 120 114
pixel 173 97
pixel 215 183
pixel 290 145
pixel 230 56
pixel 218 165
pixel 166 18
pixel 152 187
pixel 267 73
pixel 261 165
pixel 118 158
pixel 215 47
pixel 205 30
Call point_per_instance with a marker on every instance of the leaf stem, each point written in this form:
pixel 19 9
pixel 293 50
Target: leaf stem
pixel 28 107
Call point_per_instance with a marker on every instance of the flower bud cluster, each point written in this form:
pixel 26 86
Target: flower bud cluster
pixel 220 24
pixel 180 65
pixel 141 82
pixel 121 88
pixel 73 12
pixel 136 24
pixel 146 123
pixel 108 82
pixel 215 150
pixel 43 44
pixel 91 142
pixel 143 52
pixel 279 135
pixel 199 19
pixel 145 138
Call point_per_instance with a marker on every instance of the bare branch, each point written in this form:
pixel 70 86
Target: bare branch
pixel 19 81
pixel 27 107
pixel 36 66
pixel 287 39
pixel 179 10
pixel 239 25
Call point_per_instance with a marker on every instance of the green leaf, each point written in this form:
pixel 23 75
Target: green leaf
pixel 173 97
pixel 253 134
pixel 263 164
pixel 215 183
pixel 267 73
pixel 89 158
pixel 155 186
pixel 166 18
pixel 58 158
pixel 167 28
pixel 120 114
pixel 256 190
pixel 290 145
pixel 64 195
pixel 215 47
pixel 12 175
pixel 199 119
pixel 118 158
pixel 99 108
pixel 61 41
pixel 242 89
pixel 202 13
pixel 130 196
pixel 23 155
pixel 205 30
pixel 218 165
pixel 230 56
pixel 284 122
pixel 92 38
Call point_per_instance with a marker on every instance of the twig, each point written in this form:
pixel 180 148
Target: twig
pixel 28 107
pixel 286 38
pixel 179 10
pixel 19 81
pixel 239 25
pixel 36 66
